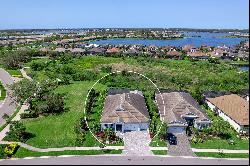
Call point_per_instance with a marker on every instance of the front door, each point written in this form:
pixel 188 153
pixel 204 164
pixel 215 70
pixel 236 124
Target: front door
pixel 119 127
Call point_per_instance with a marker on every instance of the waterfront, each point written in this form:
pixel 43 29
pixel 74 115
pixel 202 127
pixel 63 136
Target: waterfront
pixel 194 38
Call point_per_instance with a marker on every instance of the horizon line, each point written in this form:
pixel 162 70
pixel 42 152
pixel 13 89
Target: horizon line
pixel 125 28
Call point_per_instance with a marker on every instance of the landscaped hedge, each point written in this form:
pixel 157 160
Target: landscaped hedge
pixel 10 149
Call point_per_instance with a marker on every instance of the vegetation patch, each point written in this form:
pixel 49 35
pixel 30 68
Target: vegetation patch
pixel 2 92
pixel 222 155
pixel 220 135
pixel 21 153
pixel 59 130
pixel 159 152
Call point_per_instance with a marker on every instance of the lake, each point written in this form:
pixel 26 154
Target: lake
pixel 194 38
pixel 244 68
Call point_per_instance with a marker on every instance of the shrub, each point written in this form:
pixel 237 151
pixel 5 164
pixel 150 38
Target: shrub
pixel 37 66
pixel 10 149
pixel 51 103
pixel 106 69
pixel 2 154
pixel 28 115
pixel 17 132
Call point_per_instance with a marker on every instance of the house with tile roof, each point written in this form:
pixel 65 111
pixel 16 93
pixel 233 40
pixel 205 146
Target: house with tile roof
pixel 125 110
pixel 233 109
pixel 179 110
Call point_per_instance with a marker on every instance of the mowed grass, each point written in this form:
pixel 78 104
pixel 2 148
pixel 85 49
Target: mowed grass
pixel 58 130
pixel 222 155
pixel 222 144
pixel 15 73
pixel 159 152
pixel 22 152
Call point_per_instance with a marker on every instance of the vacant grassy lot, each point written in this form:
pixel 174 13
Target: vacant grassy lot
pixel 58 130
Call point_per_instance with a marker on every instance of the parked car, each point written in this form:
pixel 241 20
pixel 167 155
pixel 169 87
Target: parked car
pixel 171 139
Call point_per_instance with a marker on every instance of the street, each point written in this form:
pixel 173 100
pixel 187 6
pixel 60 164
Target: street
pixel 123 160
pixel 8 106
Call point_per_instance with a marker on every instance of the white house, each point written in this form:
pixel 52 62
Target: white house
pixel 179 110
pixel 125 111
pixel 232 108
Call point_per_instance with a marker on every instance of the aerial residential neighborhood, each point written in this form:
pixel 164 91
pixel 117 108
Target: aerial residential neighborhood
pixel 124 83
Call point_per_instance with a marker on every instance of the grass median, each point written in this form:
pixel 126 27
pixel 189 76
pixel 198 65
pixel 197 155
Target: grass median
pixel 22 152
pixel 222 155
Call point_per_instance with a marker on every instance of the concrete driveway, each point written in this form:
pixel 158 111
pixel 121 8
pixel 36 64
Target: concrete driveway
pixel 136 143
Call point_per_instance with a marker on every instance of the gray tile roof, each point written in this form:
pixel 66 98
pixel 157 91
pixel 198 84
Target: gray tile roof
pixel 125 107
pixel 178 104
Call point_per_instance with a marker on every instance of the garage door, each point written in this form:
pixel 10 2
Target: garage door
pixel 131 127
pixel 176 129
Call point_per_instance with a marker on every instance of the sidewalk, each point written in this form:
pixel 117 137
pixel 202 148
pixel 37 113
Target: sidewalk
pixel 116 148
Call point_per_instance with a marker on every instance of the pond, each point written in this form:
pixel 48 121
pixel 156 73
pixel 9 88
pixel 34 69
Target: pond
pixel 244 68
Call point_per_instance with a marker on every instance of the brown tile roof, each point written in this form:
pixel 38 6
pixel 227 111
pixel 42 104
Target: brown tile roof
pixel 76 50
pixel 196 54
pixel 178 104
pixel 44 49
pixel 233 106
pixel 173 53
pixel 113 50
pixel 125 107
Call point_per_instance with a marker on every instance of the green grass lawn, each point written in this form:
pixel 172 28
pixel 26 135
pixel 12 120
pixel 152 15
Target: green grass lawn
pixel 21 153
pixel 219 143
pixel 224 155
pixel 15 73
pixel 2 92
pixel 156 142
pixel 159 152
pixel 58 130
pixel 222 144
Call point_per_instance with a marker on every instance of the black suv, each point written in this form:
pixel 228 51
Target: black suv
pixel 171 139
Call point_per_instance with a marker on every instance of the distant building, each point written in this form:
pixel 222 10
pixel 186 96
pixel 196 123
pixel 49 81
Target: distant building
pixel 198 55
pixel 113 50
pixel 96 50
pixel 60 50
pixel 174 54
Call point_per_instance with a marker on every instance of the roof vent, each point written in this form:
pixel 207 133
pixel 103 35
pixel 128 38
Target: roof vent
pixel 119 109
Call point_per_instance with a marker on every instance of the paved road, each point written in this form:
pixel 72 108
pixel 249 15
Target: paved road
pixel 8 106
pixel 123 160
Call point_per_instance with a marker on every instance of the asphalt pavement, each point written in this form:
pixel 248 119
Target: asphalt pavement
pixel 124 160
pixel 8 106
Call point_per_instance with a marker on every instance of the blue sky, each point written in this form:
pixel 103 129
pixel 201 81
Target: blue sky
pixel 16 14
